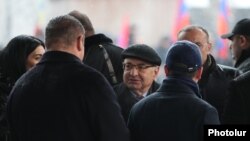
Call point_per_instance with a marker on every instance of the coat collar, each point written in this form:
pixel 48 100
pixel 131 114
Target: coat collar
pixel 96 39
pixel 208 67
pixel 59 56
pixel 244 56
pixel 180 85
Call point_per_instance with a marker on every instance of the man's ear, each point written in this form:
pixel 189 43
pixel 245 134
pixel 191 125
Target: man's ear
pixel 166 70
pixel 157 69
pixel 198 74
pixel 243 42
pixel 210 45
pixel 80 43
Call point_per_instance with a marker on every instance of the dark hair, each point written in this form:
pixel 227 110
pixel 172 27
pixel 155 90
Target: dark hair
pixel 62 29
pixel 13 57
pixel 85 21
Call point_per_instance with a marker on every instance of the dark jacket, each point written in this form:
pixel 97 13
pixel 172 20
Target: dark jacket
pixel 175 112
pixel 61 99
pixel 94 56
pixel 4 130
pixel 214 83
pixel 237 110
pixel 127 99
pixel 5 88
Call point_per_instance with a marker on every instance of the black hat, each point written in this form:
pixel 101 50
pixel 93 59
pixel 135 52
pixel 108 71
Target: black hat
pixel 142 52
pixel 242 27
pixel 184 56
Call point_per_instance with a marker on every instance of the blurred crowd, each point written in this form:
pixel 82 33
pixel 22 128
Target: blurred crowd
pixel 78 84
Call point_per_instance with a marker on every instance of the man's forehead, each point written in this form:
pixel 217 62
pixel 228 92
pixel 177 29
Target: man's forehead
pixel 193 36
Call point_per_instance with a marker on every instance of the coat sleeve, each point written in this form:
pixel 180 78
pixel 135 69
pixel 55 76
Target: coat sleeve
pixel 211 117
pixel 234 113
pixel 105 111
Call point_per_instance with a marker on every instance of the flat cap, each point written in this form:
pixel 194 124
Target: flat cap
pixel 184 56
pixel 142 52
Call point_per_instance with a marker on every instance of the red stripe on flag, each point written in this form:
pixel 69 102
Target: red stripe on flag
pixel 182 19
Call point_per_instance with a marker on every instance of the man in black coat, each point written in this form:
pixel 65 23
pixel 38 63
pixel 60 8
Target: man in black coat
pixel 215 78
pixel 175 111
pixel 61 99
pixel 141 67
pixel 100 52
pixel 237 110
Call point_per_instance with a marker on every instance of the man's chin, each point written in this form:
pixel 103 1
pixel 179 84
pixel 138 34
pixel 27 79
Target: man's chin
pixel 133 87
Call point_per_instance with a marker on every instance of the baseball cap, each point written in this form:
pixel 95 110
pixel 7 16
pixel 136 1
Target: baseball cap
pixel 142 52
pixel 184 56
pixel 242 27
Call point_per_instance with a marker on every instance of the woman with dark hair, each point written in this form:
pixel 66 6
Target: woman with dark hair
pixel 21 54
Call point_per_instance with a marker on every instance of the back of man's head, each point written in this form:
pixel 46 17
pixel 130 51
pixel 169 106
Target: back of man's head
pixel 62 31
pixel 85 21
pixel 183 59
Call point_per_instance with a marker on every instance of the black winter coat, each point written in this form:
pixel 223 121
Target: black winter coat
pixel 5 88
pixel 127 99
pixel 61 99
pixel 237 110
pixel 94 56
pixel 175 112
pixel 214 83
pixel 4 92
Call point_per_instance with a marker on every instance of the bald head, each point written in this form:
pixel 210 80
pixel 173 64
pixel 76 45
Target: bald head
pixel 192 28
pixel 85 21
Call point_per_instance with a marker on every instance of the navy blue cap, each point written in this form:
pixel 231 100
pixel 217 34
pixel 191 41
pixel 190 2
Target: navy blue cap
pixel 142 52
pixel 242 27
pixel 184 56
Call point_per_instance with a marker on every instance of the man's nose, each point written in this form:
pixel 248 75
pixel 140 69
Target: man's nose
pixel 134 71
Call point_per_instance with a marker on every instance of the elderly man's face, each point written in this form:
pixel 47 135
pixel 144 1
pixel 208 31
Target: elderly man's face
pixel 139 75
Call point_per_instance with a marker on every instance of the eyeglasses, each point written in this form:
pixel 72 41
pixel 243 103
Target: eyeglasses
pixel 139 67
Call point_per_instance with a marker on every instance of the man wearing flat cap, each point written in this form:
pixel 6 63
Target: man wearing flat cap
pixel 141 66
pixel 237 110
pixel 175 111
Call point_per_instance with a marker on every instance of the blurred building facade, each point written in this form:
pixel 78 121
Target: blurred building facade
pixel 152 18
pixel 144 21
